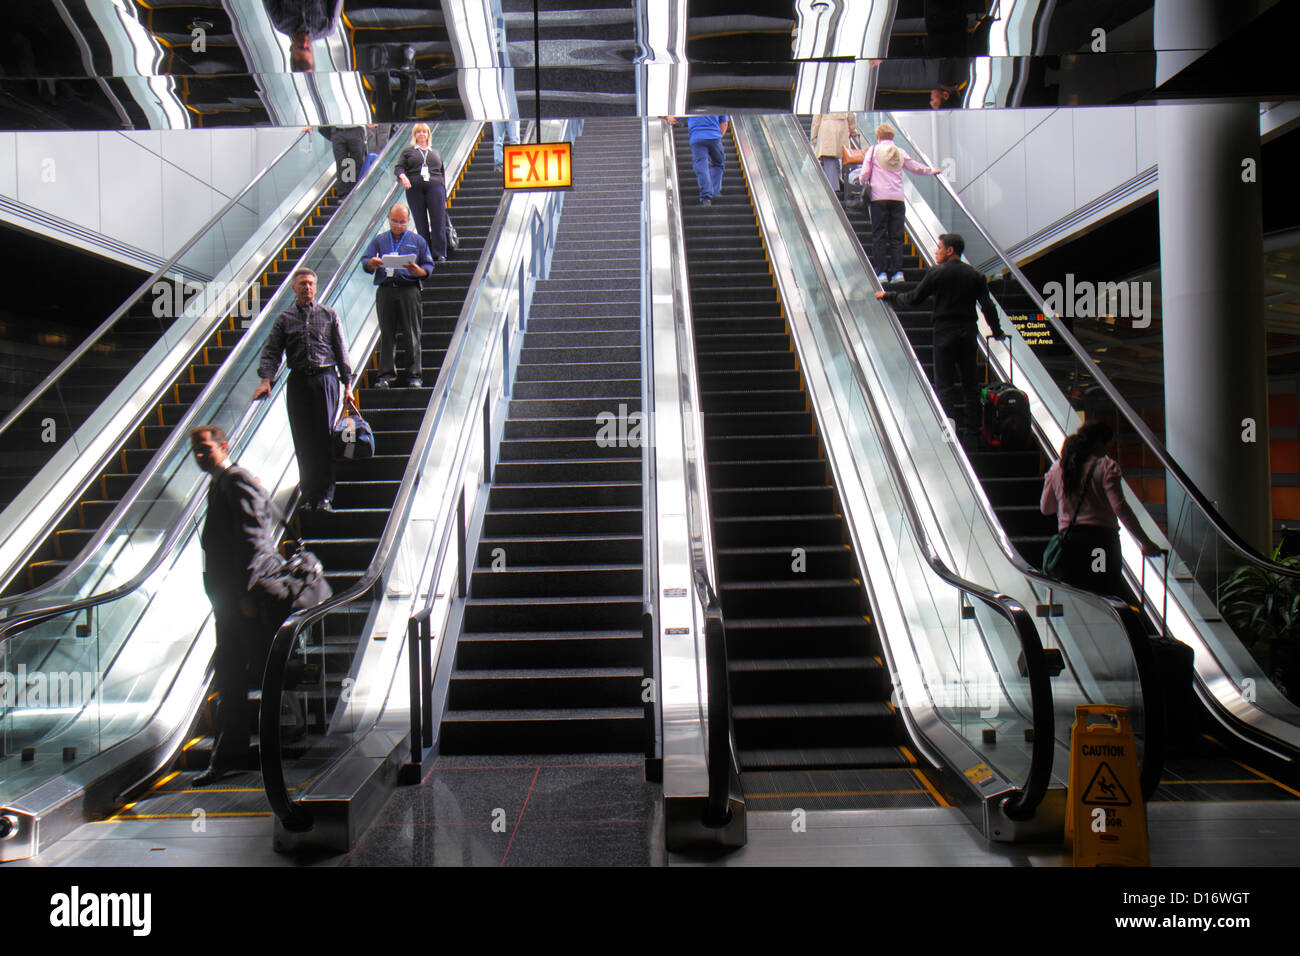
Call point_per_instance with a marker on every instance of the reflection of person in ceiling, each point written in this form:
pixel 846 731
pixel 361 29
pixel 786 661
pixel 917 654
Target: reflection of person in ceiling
pixel 304 21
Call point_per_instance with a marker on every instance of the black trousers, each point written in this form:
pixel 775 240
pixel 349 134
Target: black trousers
pixel 887 235
pixel 242 645
pixel 350 155
pixel 313 404
pixel 428 202
pixel 400 312
pixel 1092 559
pixel 955 349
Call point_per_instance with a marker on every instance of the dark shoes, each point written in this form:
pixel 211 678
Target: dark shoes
pixel 211 775
pixel 383 383
pixel 327 506
pixel 415 383
pixel 706 202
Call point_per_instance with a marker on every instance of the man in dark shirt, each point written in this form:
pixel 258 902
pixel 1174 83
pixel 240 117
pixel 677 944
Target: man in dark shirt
pixel 239 555
pixel 311 338
pixel 955 287
pixel 397 296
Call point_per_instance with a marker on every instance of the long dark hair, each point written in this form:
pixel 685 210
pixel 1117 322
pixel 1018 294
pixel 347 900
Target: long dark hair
pixel 1076 450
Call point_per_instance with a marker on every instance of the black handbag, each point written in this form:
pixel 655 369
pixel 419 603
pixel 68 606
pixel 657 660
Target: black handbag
pixel 1054 553
pixel 453 237
pixel 299 582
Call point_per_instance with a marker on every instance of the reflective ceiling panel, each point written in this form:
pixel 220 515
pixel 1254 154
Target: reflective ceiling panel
pixel 84 64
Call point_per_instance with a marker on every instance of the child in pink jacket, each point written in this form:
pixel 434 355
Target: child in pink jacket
pixel 884 164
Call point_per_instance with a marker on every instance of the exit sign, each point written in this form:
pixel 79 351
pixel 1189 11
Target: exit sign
pixel 539 166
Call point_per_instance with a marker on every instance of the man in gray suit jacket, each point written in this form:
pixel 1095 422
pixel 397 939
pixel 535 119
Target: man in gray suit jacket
pixel 239 560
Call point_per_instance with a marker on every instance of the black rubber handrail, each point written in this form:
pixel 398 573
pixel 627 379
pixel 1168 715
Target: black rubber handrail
pixel 148 284
pixel 1129 623
pixel 292 814
pixel 25 619
pixel 1022 802
pixel 721 744
pixel 1131 417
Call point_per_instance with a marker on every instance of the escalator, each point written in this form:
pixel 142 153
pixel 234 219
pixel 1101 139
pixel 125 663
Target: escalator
pixel 1204 762
pixel 550 658
pixel 346 540
pixel 87 382
pixel 1013 480
pixel 813 722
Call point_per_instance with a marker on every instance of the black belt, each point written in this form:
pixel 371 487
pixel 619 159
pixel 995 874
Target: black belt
pixel 313 371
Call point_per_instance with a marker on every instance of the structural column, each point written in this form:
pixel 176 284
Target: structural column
pixel 1212 303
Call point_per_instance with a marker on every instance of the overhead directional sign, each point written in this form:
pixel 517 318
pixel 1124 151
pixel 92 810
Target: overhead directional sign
pixel 539 166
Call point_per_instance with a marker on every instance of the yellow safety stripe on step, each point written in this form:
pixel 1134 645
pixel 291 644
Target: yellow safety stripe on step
pixel 827 793
pixel 1201 783
pixel 1264 776
pixel 907 754
pixel 183 816
pixel 166 780
pixel 938 797
pixel 191 743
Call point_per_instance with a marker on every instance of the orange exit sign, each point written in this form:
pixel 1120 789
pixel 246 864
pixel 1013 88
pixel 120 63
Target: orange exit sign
pixel 539 166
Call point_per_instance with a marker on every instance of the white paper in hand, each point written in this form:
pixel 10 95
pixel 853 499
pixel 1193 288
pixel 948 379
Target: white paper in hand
pixel 393 262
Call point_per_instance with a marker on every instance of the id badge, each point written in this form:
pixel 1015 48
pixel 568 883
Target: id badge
pixel 424 173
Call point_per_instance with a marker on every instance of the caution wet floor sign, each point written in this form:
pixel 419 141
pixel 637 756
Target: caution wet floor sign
pixel 1106 821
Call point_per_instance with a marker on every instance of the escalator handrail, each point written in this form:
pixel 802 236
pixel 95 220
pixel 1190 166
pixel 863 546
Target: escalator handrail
pixel 1020 803
pixel 720 725
pixel 1129 621
pixel 292 815
pixel 144 287
pixel 178 435
pixel 10 626
pixel 1132 418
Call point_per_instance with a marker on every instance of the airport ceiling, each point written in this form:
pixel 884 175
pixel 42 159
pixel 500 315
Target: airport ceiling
pixel 164 64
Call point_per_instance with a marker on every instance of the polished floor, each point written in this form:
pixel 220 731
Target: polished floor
pixel 535 810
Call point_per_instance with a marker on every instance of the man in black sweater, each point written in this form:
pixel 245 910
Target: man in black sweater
pixel 955 287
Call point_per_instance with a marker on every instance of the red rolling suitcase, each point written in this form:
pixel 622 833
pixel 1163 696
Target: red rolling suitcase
pixel 1005 418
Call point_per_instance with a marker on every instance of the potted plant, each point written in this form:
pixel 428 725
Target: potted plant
pixel 1264 610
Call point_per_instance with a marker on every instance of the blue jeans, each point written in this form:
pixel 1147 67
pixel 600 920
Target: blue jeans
pixel 507 131
pixel 708 159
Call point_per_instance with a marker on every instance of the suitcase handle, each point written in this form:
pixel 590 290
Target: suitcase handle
pixel 1164 602
pixel 988 365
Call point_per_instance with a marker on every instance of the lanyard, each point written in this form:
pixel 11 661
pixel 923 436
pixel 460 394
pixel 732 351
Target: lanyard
pixel 394 243
pixel 424 155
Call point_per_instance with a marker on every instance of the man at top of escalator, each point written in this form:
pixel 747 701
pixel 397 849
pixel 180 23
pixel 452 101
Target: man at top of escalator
pixel 397 298
pixel 956 287
pixel 310 338
pixel 707 154
pixel 239 561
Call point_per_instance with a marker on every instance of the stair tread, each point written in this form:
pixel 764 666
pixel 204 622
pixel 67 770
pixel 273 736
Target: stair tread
pixel 802 663
pixel 819 709
pixel 535 713
pixel 535 673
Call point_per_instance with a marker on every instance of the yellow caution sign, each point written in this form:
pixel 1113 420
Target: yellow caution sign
pixel 1105 819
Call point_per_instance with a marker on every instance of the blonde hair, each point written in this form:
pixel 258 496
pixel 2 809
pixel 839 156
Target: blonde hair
pixel 418 127
pixel 884 131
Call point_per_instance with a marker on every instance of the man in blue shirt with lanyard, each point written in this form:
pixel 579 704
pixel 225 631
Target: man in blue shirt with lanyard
pixel 398 296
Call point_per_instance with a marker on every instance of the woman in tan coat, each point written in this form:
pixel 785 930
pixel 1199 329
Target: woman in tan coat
pixel 830 134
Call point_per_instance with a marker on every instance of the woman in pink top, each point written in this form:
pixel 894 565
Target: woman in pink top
pixel 884 164
pixel 1092 557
